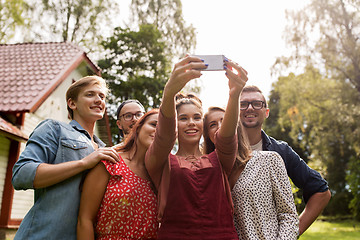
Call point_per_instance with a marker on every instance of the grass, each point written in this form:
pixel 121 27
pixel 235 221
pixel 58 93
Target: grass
pixel 328 230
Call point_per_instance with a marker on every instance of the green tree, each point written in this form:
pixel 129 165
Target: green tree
pixel 12 17
pixel 325 34
pixel 316 112
pixel 135 66
pixel 83 22
pixel 166 16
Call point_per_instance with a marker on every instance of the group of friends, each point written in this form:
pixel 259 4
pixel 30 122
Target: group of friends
pixel 232 185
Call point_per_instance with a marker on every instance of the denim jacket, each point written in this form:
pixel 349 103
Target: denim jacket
pixel 305 178
pixel 55 211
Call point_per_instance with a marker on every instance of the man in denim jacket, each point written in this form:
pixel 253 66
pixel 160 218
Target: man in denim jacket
pixel 55 160
pixel 253 112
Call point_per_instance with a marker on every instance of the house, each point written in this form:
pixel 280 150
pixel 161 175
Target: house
pixel 34 78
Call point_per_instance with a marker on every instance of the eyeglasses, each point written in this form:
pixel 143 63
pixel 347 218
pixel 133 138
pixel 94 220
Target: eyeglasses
pixel 257 105
pixel 130 116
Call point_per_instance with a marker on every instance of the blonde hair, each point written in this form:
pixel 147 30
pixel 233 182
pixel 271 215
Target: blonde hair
pixel 76 87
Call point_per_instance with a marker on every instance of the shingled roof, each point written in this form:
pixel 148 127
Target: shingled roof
pixel 29 72
pixel 14 132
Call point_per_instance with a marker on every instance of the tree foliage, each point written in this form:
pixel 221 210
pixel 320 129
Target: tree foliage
pixel 83 22
pixel 12 17
pixel 166 16
pixel 323 107
pixel 320 118
pixel 326 34
pixel 135 66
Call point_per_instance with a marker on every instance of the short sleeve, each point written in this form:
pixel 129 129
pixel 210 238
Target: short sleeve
pixel 114 169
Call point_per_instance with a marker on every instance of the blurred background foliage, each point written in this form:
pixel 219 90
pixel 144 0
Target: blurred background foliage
pixel 315 102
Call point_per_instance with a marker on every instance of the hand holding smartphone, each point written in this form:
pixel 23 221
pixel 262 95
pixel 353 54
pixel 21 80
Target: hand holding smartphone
pixel 215 62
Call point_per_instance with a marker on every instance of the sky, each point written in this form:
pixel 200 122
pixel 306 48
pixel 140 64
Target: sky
pixel 249 32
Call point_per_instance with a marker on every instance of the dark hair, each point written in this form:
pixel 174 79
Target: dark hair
pixel 181 99
pixel 253 88
pixel 244 151
pixel 130 141
pixel 126 102
pixel 121 132
pixel 75 88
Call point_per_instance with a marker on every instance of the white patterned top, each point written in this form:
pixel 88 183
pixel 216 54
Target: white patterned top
pixel 263 202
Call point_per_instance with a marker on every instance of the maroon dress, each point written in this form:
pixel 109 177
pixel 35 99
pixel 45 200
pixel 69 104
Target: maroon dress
pixel 198 207
pixel 194 197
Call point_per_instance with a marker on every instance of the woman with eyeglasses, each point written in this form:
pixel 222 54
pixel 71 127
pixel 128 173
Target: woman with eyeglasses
pixel 263 202
pixel 127 114
pixel 118 200
pixel 193 192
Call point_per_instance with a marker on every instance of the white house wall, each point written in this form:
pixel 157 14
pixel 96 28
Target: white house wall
pixel 4 156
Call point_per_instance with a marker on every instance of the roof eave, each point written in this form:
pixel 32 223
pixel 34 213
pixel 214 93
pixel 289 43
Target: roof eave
pixel 33 106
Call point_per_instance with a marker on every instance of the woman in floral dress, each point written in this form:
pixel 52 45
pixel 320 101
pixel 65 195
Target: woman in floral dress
pixel 118 201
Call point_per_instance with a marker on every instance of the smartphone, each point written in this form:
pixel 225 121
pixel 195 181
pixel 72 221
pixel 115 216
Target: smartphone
pixel 215 62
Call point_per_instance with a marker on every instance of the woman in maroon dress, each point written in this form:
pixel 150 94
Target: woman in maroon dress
pixel 193 192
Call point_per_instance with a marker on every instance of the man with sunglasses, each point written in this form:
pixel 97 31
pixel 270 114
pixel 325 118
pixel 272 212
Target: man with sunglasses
pixel 253 112
pixel 127 115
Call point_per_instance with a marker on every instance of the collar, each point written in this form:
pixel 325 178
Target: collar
pixel 79 128
pixel 265 139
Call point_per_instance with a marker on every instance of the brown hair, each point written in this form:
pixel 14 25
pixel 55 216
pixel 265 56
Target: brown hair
pixel 76 87
pixel 253 88
pixel 130 141
pixel 244 151
pixel 181 99
pixel 208 145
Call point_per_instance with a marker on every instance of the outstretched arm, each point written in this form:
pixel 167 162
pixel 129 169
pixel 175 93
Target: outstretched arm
pixel 93 192
pixel 157 154
pixel 237 79
pixel 184 71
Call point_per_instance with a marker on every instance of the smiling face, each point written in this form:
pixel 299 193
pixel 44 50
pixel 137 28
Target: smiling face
pixel 251 118
pixel 190 123
pixel 89 105
pixel 213 122
pixel 147 132
pixel 132 108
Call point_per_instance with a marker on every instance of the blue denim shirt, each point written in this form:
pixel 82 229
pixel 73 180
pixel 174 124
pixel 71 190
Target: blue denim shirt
pixel 55 211
pixel 305 178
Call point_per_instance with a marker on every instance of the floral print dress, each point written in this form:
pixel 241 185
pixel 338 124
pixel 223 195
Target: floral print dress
pixel 128 208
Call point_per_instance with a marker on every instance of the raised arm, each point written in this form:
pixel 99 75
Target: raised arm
pixel 237 79
pixel 157 154
pixel 93 192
